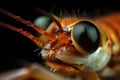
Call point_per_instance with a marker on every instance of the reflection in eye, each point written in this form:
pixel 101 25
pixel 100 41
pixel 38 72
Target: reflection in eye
pixel 86 35
pixel 42 21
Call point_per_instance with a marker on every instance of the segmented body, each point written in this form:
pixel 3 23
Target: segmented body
pixel 62 52
pixel 109 27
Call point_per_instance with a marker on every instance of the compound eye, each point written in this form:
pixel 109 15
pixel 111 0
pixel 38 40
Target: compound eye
pixel 42 22
pixel 86 36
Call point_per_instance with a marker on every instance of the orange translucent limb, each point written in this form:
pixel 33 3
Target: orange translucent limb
pixel 30 24
pixel 52 18
pixel 62 35
pixel 26 34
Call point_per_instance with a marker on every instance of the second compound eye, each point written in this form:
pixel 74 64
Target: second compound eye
pixel 42 22
pixel 86 35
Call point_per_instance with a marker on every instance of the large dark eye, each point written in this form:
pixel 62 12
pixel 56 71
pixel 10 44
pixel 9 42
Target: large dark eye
pixel 86 35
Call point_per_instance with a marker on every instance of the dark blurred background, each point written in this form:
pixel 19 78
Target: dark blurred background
pixel 15 48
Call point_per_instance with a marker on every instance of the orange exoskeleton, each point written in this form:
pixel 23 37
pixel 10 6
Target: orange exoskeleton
pixel 85 47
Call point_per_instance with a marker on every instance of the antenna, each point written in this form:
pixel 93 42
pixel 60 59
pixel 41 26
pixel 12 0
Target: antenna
pixel 28 23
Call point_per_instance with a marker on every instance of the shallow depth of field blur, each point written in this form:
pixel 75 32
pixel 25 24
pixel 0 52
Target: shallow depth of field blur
pixel 16 49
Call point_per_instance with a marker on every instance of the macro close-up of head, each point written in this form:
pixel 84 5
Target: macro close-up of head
pixel 59 40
